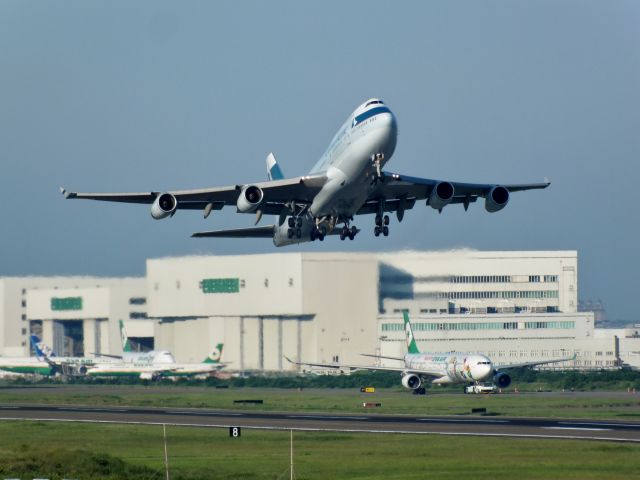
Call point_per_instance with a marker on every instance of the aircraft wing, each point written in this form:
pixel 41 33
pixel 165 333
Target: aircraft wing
pixel 533 364
pixel 276 194
pixel 339 366
pixel 252 232
pixel 402 191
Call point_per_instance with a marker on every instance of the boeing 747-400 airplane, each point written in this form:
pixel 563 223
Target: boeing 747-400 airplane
pixel 347 181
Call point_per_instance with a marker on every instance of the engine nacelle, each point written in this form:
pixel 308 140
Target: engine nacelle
pixel 502 380
pixel 250 199
pixel 146 376
pixel 411 381
pixel 497 199
pixel 441 195
pixel 164 206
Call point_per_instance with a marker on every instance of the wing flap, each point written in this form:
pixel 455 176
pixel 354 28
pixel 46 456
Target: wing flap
pixel 252 232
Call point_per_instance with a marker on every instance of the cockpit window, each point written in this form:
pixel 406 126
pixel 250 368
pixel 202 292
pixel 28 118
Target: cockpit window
pixel 374 102
pixel 484 363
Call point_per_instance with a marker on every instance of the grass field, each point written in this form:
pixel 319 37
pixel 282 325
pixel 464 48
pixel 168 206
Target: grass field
pixel 83 451
pixel 614 405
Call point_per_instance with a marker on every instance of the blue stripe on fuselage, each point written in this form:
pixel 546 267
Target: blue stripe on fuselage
pixel 368 114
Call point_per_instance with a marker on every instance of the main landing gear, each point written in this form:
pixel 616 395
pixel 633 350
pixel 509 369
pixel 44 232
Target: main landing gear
pixel 318 233
pixel 295 227
pixel 382 225
pixel 347 232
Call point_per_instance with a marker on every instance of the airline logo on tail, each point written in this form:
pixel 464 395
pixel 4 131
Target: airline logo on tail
pixel 412 347
pixel 42 349
pixel 214 356
pixel 273 169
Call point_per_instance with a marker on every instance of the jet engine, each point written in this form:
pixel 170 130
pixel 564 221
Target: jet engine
pixel 164 206
pixel 411 381
pixel 250 199
pixel 497 199
pixel 502 380
pixel 441 195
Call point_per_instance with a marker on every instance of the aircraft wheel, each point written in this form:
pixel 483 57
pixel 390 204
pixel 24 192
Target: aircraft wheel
pixel 321 237
pixel 376 231
pixel 298 222
pixel 351 236
pixel 292 222
pixel 298 233
pixel 386 219
pixel 353 231
pixel 378 220
pixel 342 237
pixel 312 234
pixel 385 231
pixel 290 233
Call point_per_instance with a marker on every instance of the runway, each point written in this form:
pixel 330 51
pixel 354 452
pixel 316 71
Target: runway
pixel 582 429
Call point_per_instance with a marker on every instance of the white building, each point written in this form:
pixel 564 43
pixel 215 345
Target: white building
pixel 75 315
pixel 323 307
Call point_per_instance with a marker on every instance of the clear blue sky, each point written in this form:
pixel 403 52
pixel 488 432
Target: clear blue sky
pixel 148 95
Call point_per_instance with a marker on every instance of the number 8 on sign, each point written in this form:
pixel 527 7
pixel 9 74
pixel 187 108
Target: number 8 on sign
pixel 234 432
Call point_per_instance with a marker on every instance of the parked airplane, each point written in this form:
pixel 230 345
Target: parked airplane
pixel 61 365
pixel 348 180
pixel 131 356
pixel 153 371
pixel 441 368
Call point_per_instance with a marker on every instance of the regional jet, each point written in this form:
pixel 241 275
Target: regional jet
pixel 440 368
pixel 347 181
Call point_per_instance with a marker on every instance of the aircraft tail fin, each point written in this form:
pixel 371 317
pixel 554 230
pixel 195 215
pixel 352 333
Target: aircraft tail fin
pixel 273 169
pixel 412 347
pixel 42 349
pixel 215 355
pixel 126 344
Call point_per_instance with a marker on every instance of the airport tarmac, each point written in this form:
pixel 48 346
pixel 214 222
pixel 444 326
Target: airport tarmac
pixel 478 426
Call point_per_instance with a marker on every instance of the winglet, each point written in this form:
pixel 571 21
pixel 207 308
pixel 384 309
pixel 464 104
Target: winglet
pixel 66 194
pixel 289 360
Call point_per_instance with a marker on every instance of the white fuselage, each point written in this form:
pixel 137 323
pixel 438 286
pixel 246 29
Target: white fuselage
pixel 369 133
pixel 454 367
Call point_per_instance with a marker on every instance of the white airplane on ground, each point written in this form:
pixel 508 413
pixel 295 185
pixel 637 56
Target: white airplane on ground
pixel 155 370
pixel 348 180
pixel 146 365
pixel 441 368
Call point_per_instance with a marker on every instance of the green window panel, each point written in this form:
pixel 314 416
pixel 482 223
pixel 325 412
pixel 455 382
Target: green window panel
pixel 66 303
pixel 220 285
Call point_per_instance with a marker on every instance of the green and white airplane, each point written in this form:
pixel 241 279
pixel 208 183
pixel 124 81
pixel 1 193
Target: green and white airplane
pixel 150 370
pixel 440 368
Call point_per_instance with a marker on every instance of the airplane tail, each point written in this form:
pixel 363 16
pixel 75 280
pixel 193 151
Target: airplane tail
pixel 214 356
pixel 42 349
pixel 412 347
pixel 126 344
pixel 273 169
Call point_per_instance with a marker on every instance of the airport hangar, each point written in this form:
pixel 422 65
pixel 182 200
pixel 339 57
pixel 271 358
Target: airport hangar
pixel 324 307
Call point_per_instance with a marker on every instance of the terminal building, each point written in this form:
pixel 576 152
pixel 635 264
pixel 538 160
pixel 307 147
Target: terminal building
pixel 325 307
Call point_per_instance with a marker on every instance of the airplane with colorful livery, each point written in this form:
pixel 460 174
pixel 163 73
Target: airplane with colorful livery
pixel 440 368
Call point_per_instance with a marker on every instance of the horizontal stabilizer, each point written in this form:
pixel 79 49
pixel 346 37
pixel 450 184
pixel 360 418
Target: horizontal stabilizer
pixel 252 232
